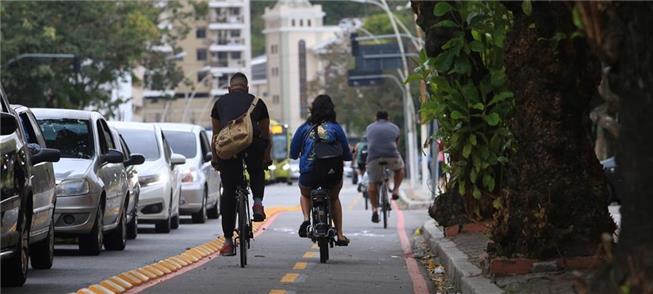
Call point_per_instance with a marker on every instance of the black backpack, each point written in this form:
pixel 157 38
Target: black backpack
pixel 324 149
pixel 328 162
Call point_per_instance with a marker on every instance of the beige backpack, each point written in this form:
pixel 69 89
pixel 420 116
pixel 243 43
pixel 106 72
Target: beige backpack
pixel 236 136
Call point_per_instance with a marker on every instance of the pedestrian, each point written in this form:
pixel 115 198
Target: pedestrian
pixel 382 140
pixel 257 156
pixel 314 173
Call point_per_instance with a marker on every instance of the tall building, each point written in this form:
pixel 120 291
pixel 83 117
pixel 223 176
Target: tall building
pixel 217 47
pixel 293 30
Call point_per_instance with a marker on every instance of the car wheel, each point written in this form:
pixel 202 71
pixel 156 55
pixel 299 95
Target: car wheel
pixel 174 222
pixel 200 216
pixel 14 269
pixel 117 238
pixel 132 227
pixel 42 253
pixel 163 226
pixel 91 243
pixel 214 211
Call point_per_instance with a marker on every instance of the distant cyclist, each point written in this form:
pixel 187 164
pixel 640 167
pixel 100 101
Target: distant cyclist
pixel 227 108
pixel 320 173
pixel 382 140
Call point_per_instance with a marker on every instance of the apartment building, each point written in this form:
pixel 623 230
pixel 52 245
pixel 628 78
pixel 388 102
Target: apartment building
pixel 218 47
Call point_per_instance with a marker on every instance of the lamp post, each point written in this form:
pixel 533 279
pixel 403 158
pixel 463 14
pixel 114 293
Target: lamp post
pixel 409 120
pixel 192 95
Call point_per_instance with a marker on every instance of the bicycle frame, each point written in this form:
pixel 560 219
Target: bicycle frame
pixel 321 229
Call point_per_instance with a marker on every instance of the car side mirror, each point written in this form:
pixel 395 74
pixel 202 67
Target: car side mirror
pixel 45 155
pixel 208 156
pixel 112 156
pixel 135 159
pixel 8 123
pixel 177 159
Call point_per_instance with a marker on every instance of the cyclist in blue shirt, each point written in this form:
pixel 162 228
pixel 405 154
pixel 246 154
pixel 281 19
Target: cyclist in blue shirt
pixel 313 174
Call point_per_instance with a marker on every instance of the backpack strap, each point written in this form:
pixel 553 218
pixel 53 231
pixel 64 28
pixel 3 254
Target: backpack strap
pixel 251 107
pixel 308 134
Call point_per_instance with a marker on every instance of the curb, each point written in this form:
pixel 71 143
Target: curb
pixel 412 203
pixel 468 278
pixel 129 280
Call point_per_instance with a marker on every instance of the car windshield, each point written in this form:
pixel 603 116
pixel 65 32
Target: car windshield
pixel 279 147
pixel 183 143
pixel 142 142
pixel 72 137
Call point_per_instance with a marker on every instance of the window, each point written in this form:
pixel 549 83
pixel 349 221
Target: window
pixel 308 22
pixel 275 99
pixel 106 142
pixel 200 33
pixel 293 22
pixel 275 71
pixel 235 33
pixel 201 75
pixel 235 55
pixel 143 142
pixel 167 150
pixel 201 54
pixel 184 143
pixel 73 137
pixel 301 22
pixel 204 143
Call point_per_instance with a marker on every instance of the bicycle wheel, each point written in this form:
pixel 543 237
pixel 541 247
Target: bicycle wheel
pixel 384 204
pixel 243 232
pixel 367 199
pixel 323 243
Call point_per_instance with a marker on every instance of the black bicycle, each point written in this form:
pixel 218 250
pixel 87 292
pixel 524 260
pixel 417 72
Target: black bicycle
pixel 321 229
pixel 244 228
pixel 383 194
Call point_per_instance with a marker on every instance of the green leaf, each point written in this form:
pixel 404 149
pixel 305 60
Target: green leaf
pixel 500 97
pixel 472 139
pixel 578 21
pixel 488 182
pixel 467 150
pixel 446 24
pixel 492 119
pixel 456 115
pixel 498 78
pixel 469 91
pixel 476 46
pixel 443 61
pixel 462 65
pixel 461 188
pixel 476 193
pixel 527 7
pixel 413 77
pixel 442 8
pixel 478 106
pixel 497 203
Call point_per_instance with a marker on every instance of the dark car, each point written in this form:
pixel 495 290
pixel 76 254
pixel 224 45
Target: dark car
pixel 16 160
pixel 615 180
pixel 43 186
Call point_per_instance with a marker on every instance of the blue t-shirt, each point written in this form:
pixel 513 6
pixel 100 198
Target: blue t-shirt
pixel 302 143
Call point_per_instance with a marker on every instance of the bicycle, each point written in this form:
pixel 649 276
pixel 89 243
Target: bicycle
pixel 244 220
pixel 321 229
pixel 383 194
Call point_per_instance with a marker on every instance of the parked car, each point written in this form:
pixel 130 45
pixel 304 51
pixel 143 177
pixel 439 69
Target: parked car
pixel 43 187
pixel 17 158
pixel 91 179
pixel 159 176
pixel 615 180
pixel 130 160
pixel 200 182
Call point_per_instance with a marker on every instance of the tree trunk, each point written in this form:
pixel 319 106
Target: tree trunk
pixel 622 35
pixel 557 199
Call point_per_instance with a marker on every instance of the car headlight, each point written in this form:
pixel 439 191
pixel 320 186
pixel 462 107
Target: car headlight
pixel 150 180
pixel 189 175
pixel 72 187
pixel 286 166
pixel 272 167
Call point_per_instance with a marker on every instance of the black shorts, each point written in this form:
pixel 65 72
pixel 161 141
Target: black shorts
pixel 326 174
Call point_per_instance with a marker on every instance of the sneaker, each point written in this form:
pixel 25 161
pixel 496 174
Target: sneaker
pixel 375 217
pixel 259 212
pixel 303 229
pixel 228 250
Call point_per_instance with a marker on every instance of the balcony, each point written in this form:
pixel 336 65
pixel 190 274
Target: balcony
pixel 228 44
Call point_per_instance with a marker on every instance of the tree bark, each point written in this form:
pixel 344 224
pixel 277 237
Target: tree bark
pixel 621 34
pixel 557 194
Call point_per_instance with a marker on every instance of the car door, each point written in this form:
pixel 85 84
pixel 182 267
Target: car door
pixel 43 181
pixel 208 170
pixel 174 175
pixel 132 177
pixel 112 174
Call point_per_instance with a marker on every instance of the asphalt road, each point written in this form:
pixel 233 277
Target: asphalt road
pixel 279 260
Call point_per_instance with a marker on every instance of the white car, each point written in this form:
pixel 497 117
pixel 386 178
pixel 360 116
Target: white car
pixel 200 182
pixel 159 176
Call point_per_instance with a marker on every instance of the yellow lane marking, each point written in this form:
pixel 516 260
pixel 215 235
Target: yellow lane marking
pixel 277 291
pixel 310 254
pixel 354 202
pixel 129 279
pixel 300 266
pixel 289 278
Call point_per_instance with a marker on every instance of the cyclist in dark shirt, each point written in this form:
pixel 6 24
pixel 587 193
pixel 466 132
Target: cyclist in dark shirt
pixel 227 108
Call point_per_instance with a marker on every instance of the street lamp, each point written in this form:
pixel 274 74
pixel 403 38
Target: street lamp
pixel 409 119
pixel 192 95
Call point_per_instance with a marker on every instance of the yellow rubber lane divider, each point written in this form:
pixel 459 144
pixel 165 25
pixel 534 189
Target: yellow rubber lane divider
pixel 136 277
pixel 310 254
pixel 277 291
pixel 289 278
pixel 300 266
